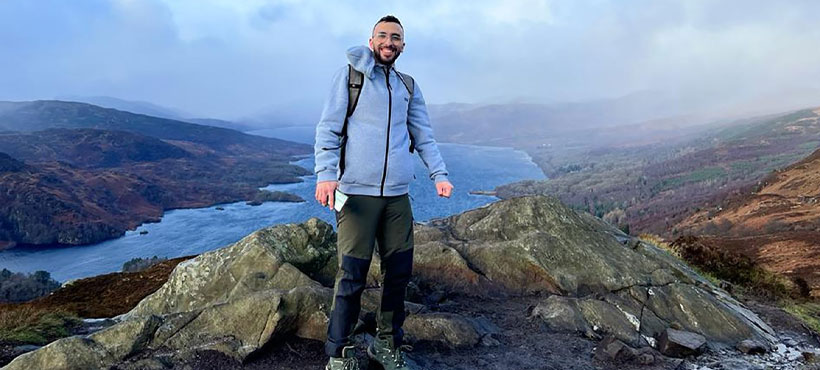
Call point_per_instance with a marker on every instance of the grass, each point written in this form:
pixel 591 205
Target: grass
pixel 23 324
pixel 700 175
pixel 808 312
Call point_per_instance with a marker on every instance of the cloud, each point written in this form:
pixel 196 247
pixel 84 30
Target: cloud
pixel 229 59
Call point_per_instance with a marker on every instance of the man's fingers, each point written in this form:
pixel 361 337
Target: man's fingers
pixel 325 193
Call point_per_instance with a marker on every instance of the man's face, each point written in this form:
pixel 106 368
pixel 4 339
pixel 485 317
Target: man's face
pixel 387 42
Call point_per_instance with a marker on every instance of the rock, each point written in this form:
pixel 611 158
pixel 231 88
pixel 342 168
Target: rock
pixel 645 359
pixel 679 343
pixel 444 268
pixel 811 355
pixel 737 364
pixel 65 354
pixel 790 354
pixel 789 341
pixel 278 280
pixel 247 266
pixel 562 314
pixel 611 349
pixel 447 328
pixel 752 347
pixel 489 341
pixel 129 337
pixel 537 245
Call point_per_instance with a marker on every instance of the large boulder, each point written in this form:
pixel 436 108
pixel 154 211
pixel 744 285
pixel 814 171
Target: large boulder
pixel 65 354
pixel 249 265
pixel 233 300
pixel 600 280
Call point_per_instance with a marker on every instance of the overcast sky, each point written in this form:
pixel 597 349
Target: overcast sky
pixel 232 59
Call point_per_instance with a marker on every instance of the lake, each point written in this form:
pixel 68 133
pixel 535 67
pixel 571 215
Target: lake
pixel 192 231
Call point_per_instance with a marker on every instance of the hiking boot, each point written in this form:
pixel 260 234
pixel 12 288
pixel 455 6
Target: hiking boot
pixel 389 357
pixel 346 362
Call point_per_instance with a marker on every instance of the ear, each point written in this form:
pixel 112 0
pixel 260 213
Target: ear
pixel 370 43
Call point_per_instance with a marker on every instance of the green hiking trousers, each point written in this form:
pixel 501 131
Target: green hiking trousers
pixel 363 221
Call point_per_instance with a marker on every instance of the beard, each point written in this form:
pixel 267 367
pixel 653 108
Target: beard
pixel 378 55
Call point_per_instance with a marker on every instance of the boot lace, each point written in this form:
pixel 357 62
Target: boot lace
pixel 350 364
pixel 398 355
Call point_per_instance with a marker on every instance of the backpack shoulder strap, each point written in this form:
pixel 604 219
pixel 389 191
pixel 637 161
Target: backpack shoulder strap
pixel 408 82
pixel 354 88
pixel 410 85
pixel 355 80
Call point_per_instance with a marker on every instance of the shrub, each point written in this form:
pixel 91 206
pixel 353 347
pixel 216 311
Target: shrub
pixel 23 324
pixel 139 264
pixel 19 287
pixel 735 268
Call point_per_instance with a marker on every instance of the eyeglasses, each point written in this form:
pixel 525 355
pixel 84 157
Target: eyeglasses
pixel 381 36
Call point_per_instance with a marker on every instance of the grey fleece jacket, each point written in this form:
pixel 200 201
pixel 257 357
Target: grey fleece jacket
pixel 378 161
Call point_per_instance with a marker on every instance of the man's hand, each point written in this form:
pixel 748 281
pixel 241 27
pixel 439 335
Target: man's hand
pixel 444 189
pixel 324 193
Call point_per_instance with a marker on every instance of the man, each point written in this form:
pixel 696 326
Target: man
pixel 364 165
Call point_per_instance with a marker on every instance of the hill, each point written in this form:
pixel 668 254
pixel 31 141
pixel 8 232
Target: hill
pixel 650 188
pixel 47 114
pixel 777 224
pixel 80 174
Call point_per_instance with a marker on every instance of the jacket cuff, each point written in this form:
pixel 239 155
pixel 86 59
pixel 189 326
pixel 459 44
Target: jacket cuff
pixel 439 178
pixel 326 175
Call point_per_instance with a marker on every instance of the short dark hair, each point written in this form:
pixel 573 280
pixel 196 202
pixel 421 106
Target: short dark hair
pixel 388 18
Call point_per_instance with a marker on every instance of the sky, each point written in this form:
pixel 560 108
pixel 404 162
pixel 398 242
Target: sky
pixel 239 59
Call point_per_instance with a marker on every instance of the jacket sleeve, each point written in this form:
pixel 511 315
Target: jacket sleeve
pixel 418 122
pixel 329 130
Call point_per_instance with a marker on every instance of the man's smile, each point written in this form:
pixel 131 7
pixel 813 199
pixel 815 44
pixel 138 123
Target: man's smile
pixel 387 50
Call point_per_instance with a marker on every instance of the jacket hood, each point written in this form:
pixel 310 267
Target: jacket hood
pixel 362 60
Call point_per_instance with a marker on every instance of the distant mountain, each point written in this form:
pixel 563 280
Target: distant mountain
pixel 651 188
pixel 139 107
pixel 523 124
pixel 222 123
pixel 151 109
pixel 46 114
pixel 75 173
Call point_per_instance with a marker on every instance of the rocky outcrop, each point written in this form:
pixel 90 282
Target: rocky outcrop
pixel 604 282
pixel 277 281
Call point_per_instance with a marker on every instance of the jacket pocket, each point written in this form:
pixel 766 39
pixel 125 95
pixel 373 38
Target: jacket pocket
pixel 400 171
pixel 363 163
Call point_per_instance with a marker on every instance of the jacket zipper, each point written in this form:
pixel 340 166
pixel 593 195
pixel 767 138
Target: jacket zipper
pixel 389 114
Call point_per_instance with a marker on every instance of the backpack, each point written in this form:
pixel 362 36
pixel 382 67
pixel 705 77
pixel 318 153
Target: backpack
pixel 355 82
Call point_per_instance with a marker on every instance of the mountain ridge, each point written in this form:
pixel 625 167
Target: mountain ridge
pixel 102 171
